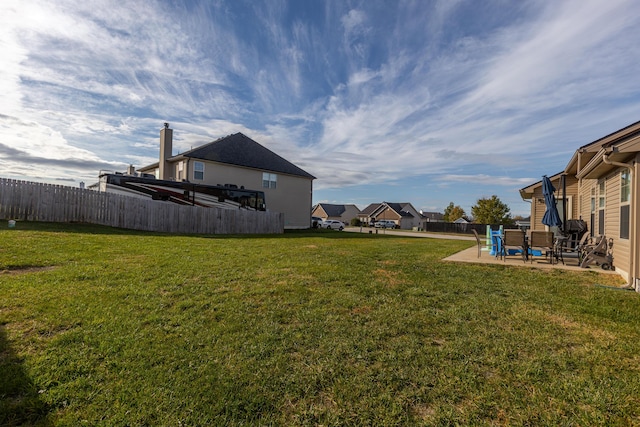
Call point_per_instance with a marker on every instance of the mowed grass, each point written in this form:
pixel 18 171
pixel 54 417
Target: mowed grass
pixel 109 327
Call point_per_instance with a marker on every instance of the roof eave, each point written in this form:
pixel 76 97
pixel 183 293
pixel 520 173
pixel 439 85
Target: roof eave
pixel 597 167
pixel 527 192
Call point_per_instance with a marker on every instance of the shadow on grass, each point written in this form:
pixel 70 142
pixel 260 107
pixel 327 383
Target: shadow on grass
pixel 20 403
pixel 83 228
pixel 74 227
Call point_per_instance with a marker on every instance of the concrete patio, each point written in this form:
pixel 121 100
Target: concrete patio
pixel 471 254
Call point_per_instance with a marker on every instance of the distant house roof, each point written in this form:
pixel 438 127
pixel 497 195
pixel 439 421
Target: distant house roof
pixel 369 209
pixel 375 208
pixel 434 216
pixel 400 209
pixel 240 150
pixel 332 210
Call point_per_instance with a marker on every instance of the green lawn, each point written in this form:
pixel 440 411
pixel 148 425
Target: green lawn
pixel 109 327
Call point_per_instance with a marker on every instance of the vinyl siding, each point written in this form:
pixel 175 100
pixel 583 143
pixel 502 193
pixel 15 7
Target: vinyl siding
pixel 585 199
pixel 292 195
pixel 388 214
pixel 572 192
pixel 620 249
pixel 612 224
pixel 319 212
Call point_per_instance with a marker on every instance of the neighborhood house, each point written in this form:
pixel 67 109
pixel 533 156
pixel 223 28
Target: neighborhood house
pixel 601 186
pixel 344 213
pixel 404 215
pixel 237 161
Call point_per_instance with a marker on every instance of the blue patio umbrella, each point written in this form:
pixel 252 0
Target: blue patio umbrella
pixel 551 216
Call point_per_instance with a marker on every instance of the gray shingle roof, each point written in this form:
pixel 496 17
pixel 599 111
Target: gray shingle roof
pixel 433 215
pixel 240 150
pixel 332 210
pixel 399 208
pixel 369 209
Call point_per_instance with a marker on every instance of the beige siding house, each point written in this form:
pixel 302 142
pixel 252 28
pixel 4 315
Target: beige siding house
pixel 344 213
pixel 237 160
pixel 533 193
pixel 403 214
pixel 602 181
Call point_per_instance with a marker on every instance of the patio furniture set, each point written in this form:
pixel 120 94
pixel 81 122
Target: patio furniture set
pixel 547 246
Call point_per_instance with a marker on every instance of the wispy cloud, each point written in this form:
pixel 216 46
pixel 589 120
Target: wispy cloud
pixel 488 179
pixel 357 93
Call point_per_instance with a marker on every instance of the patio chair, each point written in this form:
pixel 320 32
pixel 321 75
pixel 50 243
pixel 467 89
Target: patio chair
pixel 598 253
pixel 513 239
pixel 545 242
pixel 568 248
pixel 482 243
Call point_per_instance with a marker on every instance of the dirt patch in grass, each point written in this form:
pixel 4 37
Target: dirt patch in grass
pixel 26 269
pixel 365 309
pixel 424 412
pixel 568 324
pixel 390 278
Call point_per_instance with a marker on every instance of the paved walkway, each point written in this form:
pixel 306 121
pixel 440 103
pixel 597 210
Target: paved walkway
pixel 408 233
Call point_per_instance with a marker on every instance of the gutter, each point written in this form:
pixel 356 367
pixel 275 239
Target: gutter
pixel 605 159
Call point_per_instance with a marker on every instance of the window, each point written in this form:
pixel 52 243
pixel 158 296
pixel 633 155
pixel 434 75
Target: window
pixel 198 170
pixel 269 180
pixel 625 198
pixel 601 206
pixel 180 170
pixel 592 224
pixel 625 186
pixel 624 222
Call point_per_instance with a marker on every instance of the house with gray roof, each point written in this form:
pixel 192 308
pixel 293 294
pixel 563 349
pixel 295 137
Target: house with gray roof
pixel 237 160
pixel 344 213
pixel 432 216
pixel 403 214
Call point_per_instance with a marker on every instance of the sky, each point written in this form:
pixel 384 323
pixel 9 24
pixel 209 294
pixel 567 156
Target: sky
pixel 427 102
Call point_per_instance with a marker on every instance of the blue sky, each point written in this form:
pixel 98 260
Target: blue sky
pixel 427 102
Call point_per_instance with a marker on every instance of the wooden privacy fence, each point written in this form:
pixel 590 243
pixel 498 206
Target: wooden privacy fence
pixel 30 201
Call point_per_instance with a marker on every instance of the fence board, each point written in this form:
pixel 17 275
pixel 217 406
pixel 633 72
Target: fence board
pixel 31 201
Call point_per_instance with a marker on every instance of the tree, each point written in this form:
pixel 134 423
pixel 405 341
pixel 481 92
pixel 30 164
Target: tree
pixel 491 211
pixel 453 212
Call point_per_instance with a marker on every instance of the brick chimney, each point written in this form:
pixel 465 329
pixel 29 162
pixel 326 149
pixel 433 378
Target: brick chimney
pixel 166 145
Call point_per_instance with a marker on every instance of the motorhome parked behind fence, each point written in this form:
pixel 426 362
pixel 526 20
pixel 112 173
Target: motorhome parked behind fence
pixel 30 201
pixel 182 192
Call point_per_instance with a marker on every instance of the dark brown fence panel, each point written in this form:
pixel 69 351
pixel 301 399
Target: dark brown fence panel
pixel 451 227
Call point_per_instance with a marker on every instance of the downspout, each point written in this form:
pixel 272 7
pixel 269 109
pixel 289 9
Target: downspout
pixel 564 203
pixel 605 159
pixel 633 265
pixel 635 194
